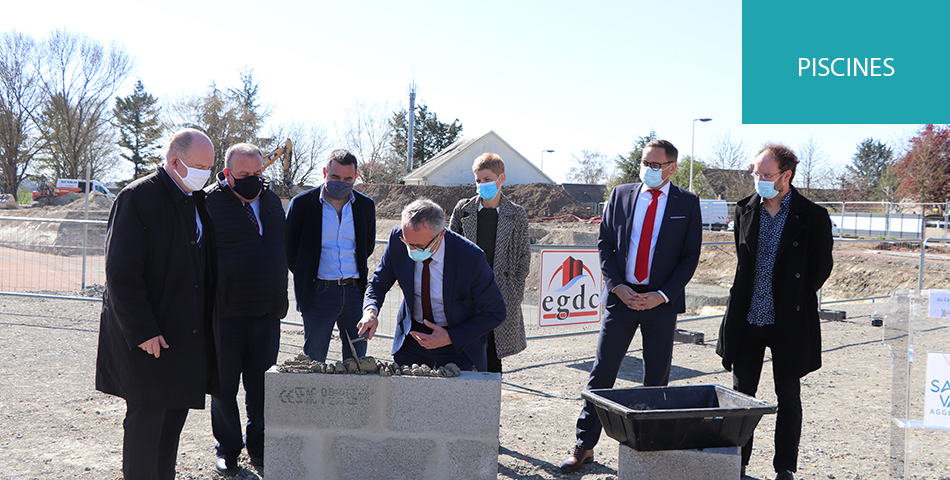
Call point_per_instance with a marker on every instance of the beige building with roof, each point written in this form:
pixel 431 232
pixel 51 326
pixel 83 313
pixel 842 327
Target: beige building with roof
pixel 453 166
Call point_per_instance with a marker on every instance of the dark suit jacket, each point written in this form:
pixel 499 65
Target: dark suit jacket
pixel 305 235
pixel 473 304
pixel 677 246
pixel 802 264
pixel 154 281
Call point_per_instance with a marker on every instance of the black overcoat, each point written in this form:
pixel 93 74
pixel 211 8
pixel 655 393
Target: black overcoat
pixel 159 281
pixel 802 264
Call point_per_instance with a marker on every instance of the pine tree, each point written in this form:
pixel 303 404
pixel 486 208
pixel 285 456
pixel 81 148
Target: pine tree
pixel 430 135
pixel 136 116
pixel 868 167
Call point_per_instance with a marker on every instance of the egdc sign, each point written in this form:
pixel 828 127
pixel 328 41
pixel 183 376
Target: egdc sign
pixel 570 288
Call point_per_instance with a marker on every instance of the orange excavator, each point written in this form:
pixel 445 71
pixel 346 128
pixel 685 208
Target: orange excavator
pixel 284 152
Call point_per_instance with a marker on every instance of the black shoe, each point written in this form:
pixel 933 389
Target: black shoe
pixel 786 475
pixel 226 467
pixel 257 462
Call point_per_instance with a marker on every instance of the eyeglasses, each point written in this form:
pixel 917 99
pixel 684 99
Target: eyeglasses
pixel 762 176
pixel 416 246
pixel 655 164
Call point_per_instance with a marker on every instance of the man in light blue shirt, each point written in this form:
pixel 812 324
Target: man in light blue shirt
pixel 331 232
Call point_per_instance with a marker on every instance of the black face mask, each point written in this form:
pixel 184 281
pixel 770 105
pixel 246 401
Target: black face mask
pixel 248 187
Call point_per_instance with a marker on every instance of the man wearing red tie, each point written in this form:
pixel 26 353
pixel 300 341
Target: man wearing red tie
pixel 649 243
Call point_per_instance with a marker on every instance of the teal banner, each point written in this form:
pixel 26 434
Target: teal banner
pixel 845 62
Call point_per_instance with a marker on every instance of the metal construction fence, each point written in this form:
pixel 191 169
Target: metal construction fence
pixel 64 258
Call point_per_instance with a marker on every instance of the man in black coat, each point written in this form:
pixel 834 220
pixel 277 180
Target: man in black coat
pixel 156 347
pixel 783 246
pixel 252 298
pixel 331 231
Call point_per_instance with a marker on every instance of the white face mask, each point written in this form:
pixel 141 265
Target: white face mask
pixel 196 178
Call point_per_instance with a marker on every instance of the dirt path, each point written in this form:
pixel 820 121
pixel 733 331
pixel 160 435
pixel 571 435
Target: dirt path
pixel 55 425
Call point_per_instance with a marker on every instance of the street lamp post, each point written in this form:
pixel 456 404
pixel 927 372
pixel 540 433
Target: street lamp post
pixel 692 148
pixel 542 157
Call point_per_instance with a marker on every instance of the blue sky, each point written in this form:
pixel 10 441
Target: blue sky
pixel 544 75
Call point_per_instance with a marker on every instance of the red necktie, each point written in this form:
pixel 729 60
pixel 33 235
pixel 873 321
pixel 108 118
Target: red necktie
pixel 250 213
pixel 646 239
pixel 426 299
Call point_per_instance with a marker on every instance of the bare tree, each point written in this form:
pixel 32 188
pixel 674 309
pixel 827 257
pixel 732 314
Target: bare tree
pixel 311 145
pixel 813 170
pixel 367 132
pixel 590 167
pixel 728 154
pixel 20 100
pixel 78 77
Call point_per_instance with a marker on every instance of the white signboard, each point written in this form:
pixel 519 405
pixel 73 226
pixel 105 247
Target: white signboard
pixel 937 395
pixel 570 287
pixel 940 303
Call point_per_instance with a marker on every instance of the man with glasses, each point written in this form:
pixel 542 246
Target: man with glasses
pixel 450 299
pixel 783 250
pixel 649 243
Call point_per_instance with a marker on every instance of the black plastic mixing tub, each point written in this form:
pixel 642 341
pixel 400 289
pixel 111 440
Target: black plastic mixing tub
pixel 678 418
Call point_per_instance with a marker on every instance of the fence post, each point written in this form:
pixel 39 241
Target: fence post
pixel 85 227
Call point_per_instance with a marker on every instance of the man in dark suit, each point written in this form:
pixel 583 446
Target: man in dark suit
pixel 252 298
pixel 331 231
pixel 156 346
pixel 451 300
pixel 783 248
pixel 649 243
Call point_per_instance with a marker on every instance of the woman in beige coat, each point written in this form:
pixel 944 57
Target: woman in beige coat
pixel 500 228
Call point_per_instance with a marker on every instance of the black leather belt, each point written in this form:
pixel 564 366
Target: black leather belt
pixel 342 281
pixel 638 288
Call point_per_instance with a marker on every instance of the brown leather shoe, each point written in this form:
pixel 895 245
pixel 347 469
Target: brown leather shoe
pixel 579 457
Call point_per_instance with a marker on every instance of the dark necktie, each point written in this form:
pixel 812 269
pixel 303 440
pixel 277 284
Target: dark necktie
pixel 426 298
pixel 646 239
pixel 250 214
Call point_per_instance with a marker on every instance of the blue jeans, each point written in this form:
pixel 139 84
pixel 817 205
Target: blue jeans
pixel 249 346
pixel 340 305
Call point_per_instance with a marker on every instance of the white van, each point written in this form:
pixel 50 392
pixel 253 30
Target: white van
pixel 715 214
pixel 66 185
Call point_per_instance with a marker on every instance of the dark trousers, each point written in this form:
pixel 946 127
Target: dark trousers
pixel 616 332
pixel 494 363
pixel 340 305
pixel 248 348
pixel 746 370
pixel 411 352
pixel 150 444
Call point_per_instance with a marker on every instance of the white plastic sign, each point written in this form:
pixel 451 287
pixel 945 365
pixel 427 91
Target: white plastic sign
pixel 570 287
pixel 940 303
pixel 937 394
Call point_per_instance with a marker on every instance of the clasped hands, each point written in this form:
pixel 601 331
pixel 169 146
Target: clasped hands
pixel 438 338
pixel 638 301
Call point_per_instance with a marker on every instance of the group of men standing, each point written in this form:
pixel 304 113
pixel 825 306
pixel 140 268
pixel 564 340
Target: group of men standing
pixel 196 285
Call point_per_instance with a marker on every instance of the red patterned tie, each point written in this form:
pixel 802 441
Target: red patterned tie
pixel 426 298
pixel 646 239
pixel 250 213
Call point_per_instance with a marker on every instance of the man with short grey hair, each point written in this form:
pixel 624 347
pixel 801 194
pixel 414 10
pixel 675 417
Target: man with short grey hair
pixel 252 298
pixel 451 301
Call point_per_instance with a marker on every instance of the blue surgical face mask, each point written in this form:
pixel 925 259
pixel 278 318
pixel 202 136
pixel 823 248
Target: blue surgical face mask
pixel 486 190
pixel 419 255
pixel 652 177
pixel 765 189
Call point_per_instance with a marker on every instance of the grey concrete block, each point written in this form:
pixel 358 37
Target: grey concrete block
pixel 389 459
pixel 466 405
pixel 284 456
pixel 472 460
pixel 708 464
pixel 314 401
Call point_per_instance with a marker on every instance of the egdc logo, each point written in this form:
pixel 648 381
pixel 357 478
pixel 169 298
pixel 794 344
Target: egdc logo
pixel 570 298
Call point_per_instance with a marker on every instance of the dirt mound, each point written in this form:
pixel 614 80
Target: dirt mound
pixel 538 199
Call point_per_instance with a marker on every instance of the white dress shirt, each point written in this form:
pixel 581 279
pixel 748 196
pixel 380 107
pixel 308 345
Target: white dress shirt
pixel 436 276
pixel 639 213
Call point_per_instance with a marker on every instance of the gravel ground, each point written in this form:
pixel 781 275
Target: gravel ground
pixel 55 425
